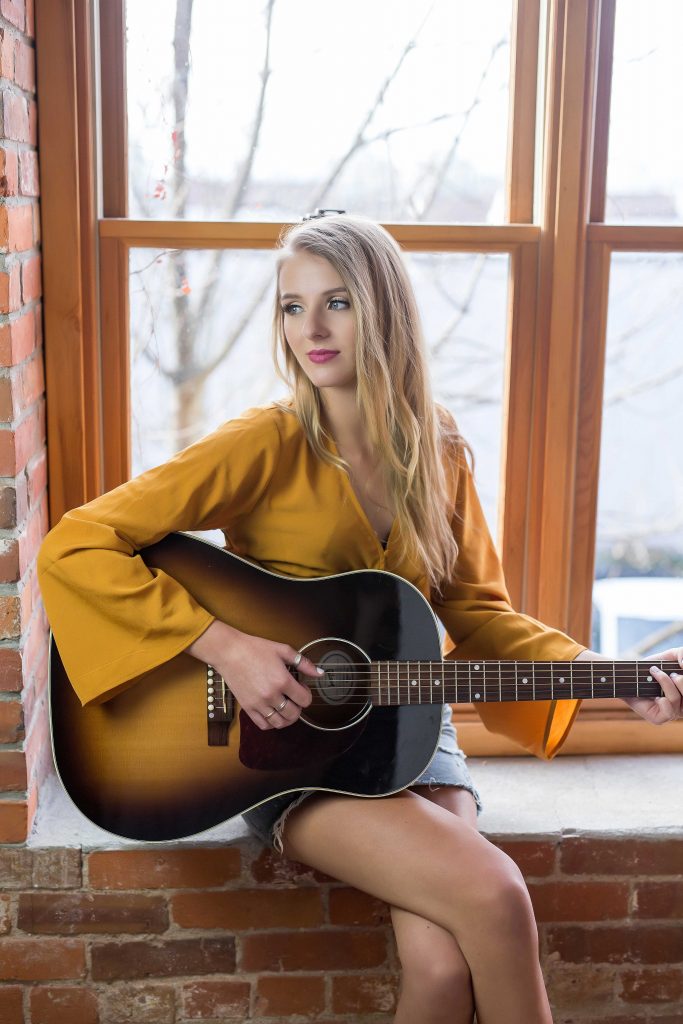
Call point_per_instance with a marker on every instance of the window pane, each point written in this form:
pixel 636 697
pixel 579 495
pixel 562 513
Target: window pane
pixel 644 179
pixel 395 111
pixel 200 346
pixel 638 593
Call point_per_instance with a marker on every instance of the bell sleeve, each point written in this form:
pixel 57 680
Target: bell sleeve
pixel 113 618
pixel 481 623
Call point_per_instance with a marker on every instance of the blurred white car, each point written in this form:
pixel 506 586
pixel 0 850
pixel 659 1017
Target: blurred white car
pixel 634 616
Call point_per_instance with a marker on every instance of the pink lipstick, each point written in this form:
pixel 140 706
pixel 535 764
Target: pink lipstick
pixel 322 355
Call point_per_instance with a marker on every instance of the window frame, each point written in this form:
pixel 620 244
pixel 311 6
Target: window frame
pixel 559 284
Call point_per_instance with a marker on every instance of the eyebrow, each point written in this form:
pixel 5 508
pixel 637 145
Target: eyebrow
pixel 293 295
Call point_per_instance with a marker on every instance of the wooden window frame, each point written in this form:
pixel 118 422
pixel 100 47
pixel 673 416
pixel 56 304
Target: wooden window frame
pixel 559 279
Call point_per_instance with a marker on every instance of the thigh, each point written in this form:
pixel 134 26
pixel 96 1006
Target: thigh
pixel 452 798
pixel 419 941
pixel 407 850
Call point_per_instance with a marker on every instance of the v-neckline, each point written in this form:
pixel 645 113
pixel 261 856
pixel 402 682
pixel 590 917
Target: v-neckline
pixel 383 545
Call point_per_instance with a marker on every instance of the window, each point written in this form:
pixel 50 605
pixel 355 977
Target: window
pixel 473 136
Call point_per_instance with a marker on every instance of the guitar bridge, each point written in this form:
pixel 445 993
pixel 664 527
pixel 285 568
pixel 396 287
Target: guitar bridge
pixel 220 708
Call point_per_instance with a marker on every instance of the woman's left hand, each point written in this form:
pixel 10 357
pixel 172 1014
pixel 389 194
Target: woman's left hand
pixel 667 708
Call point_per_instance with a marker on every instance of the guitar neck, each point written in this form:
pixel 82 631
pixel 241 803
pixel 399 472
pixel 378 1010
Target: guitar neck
pixel 473 682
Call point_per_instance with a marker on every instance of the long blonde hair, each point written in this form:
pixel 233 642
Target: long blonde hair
pixel 404 426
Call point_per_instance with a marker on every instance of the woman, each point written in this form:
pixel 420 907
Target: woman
pixel 358 470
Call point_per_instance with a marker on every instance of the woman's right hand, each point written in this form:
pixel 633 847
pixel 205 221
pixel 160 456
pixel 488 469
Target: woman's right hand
pixel 255 670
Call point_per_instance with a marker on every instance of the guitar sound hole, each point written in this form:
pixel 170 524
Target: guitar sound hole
pixel 342 695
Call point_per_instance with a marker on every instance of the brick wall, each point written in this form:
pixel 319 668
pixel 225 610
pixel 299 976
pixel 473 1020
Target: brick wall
pixel 236 933
pixel 24 746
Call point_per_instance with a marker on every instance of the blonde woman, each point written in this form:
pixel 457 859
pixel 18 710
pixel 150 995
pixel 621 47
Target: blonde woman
pixel 358 469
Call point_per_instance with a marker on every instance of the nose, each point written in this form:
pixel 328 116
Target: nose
pixel 314 325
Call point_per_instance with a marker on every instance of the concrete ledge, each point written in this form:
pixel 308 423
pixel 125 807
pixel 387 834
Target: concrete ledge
pixel 522 796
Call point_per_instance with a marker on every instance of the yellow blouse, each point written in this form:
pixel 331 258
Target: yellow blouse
pixel 256 479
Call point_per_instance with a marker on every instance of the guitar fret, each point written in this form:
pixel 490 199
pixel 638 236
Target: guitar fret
pixel 396 683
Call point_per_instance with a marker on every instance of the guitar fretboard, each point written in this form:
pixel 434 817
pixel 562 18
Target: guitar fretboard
pixel 463 682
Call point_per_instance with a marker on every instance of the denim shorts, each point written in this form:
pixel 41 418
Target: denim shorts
pixel 447 768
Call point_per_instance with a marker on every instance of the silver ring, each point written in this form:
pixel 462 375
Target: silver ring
pixel 297 660
pixel 279 708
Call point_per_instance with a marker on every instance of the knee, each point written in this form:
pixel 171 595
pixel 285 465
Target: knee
pixel 504 896
pixel 440 980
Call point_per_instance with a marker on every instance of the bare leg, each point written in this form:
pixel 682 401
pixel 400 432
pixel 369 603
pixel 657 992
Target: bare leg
pixel 436 984
pixel 417 856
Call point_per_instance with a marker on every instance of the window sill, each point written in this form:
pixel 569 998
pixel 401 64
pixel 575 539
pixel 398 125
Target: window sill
pixel 522 796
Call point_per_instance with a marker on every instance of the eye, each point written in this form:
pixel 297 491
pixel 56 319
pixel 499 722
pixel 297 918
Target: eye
pixel 290 306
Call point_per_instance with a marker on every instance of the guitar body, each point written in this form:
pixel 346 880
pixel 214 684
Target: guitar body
pixel 146 764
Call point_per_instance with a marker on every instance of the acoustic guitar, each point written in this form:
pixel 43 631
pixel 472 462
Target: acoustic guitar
pixel 173 754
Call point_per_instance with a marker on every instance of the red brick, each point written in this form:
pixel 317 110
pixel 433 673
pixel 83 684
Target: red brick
pixel 164 869
pixel 19 445
pixel 31 281
pixel 141 1003
pixel 642 944
pixel 5 915
pixel 103 913
pixel 14 11
pixel 9 558
pixel 15 123
pixel 36 471
pixel 10 670
pixel 5 398
pixel 621 856
pixel 579 901
pixel 319 950
pixel 10 289
pixel 351 906
pixel 52 1005
pixel 364 993
pixel 586 986
pixel 30 539
pixel 13 821
pixel 8 507
pixel 26 384
pixel 244 909
pixel 10 629
pixel 16 228
pixel 219 999
pixel 11 1005
pixel 24 66
pixel 112 961
pixel 12 771
pixel 662 985
pixel 18 337
pixel 29 173
pixel 41 959
pixel 30 19
pixel 11 721
pixel 6 54
pixel 282 996
pixel 57 868
pixel 534 858
pixel 9 172
pixel 659 899
pixel 271 868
